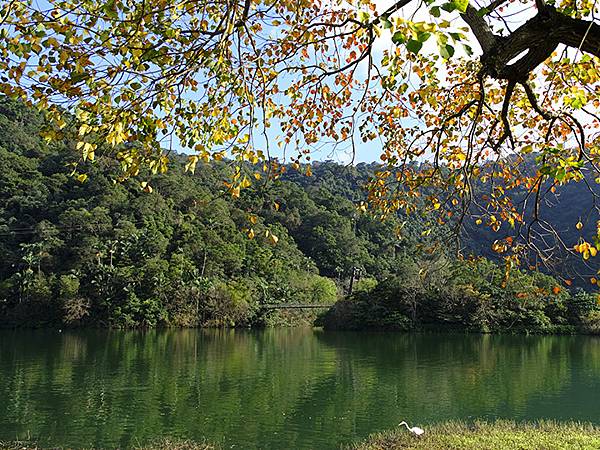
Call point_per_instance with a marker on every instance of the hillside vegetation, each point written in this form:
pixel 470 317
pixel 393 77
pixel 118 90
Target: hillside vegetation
pixel 184 253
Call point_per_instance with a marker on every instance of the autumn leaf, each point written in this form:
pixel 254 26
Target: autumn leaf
pixel 556 289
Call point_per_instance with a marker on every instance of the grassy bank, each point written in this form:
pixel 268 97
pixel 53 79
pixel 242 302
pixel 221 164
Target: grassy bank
pixel 499 435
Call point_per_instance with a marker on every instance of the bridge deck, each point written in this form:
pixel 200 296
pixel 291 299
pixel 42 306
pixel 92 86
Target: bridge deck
pixel 296 306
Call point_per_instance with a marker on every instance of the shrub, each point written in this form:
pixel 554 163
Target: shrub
pixel 230 303
pixel 591 323
pixel 580 306
pixel 365 284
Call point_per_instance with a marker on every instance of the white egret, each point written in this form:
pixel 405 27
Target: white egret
pixel 415 430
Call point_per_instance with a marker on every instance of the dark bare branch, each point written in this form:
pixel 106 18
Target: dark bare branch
pixel 480 28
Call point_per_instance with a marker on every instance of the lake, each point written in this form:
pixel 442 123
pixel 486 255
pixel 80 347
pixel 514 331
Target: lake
pixel 281 388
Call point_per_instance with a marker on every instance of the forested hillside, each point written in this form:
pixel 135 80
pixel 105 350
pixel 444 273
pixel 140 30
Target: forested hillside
pixel 184 253
pixel 114 254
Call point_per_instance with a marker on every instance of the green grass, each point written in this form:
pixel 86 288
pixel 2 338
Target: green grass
pixel 500 435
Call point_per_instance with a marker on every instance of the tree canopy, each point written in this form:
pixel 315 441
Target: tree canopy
pixel 456 93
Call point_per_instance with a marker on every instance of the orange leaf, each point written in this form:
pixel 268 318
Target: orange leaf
pixel 556 290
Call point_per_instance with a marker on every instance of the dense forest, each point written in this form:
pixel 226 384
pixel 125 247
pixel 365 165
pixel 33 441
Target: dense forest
pixel 104 253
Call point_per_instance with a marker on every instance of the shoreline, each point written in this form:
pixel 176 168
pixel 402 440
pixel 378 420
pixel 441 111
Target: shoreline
pixel 425 329
pixel 454 435
pixel 497 435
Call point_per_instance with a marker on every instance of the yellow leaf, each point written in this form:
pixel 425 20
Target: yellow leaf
pixel 88 151
pixel 191 165
pixel 579 225
pixel 83 129
pixel 246 183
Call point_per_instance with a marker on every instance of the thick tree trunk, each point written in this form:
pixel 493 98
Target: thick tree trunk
pixel 538 37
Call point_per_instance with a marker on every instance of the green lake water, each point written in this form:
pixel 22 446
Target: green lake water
pixel 282 388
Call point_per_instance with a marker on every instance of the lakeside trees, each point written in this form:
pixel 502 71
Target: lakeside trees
pixel 473 295
pixel 113 254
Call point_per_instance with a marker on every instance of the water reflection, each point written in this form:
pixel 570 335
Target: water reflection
pixel 290 388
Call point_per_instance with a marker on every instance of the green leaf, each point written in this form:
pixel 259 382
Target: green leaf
pixel 78 77
pixel 414 46
pixel 386 23
pixel 110 9
pixel 398 38
pixel 422 37
pixel 435 11
pixel 461 5
pixel 449 7
pixel 447 51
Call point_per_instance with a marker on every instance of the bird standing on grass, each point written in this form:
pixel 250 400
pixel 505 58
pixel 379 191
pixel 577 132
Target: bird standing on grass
pixel 415 430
